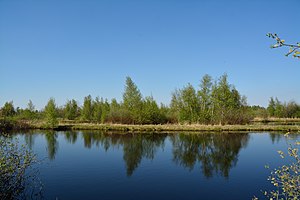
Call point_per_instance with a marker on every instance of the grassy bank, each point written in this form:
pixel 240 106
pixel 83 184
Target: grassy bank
pixel 168 127
pixel 192 128
pixel 70 125
pixel 273 120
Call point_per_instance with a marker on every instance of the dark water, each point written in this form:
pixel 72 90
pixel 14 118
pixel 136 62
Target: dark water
pixel 94 165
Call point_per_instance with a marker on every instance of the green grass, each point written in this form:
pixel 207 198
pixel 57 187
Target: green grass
pixel 192 128
pixel 38 124
pixel 274 119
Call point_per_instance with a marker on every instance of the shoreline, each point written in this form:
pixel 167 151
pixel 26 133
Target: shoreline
pixel 185 128
pixel 282 125
pixel 154 128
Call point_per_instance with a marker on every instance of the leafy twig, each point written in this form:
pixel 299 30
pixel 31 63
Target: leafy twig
pixel 293 48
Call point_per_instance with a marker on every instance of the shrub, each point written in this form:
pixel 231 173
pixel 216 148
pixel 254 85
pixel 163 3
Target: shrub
pixel 286 178
pixel 18 178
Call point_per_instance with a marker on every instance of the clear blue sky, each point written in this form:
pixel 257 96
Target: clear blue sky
pixel 69 49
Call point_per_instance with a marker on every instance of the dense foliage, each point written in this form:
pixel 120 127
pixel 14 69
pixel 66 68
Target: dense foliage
pixel 212 102
pixel 279 109
pixel 50 112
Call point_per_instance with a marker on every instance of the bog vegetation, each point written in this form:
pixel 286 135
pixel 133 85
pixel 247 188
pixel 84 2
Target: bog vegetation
pixel 211 102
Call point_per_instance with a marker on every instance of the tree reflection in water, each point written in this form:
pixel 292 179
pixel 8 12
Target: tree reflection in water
pixel 29 139
pixel 141 146
pixel 135 146
pixel 71 136
pixel 52 144
pixel 214 152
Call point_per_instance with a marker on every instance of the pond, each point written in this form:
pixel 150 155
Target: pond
pixel 97 165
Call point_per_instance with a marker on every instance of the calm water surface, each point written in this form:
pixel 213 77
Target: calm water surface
pixel 95 165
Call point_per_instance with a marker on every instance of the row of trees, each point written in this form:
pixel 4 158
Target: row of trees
pixel 8 110
pixel 134 109
pixel 284 110
pixel 213 102
pixel 276 109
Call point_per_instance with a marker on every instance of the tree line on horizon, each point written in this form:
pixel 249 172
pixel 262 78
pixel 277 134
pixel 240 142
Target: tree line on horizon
pixel 213 102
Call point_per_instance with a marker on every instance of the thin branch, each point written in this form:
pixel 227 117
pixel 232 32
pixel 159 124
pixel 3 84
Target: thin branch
pixel 294 48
